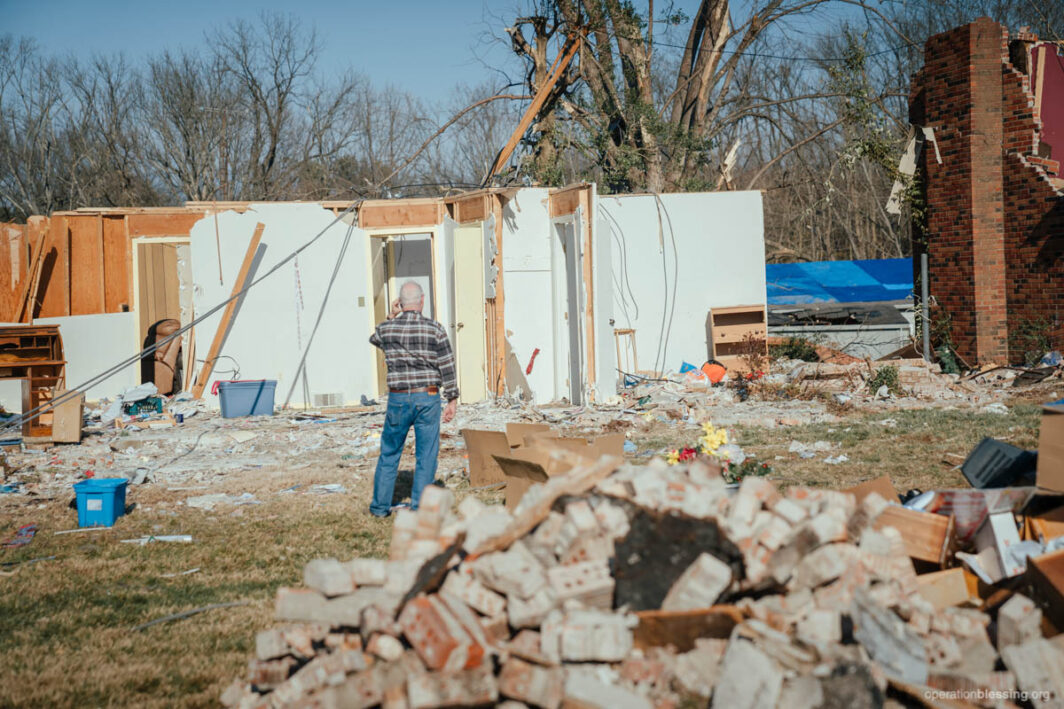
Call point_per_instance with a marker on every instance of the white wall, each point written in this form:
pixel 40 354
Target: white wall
pixel 526 264
pixel 275 320
pixel 93 344
pixel 605 384
pixel 709 247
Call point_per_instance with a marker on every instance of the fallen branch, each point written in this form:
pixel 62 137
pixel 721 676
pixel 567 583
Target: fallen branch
pixel 186 614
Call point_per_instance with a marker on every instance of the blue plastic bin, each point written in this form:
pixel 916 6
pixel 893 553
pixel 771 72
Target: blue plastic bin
pixel 247 398
pixel 100 501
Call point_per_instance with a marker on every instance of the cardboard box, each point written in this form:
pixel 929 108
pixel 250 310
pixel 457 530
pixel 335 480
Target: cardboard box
pixel 881 485
pixel 1045 582
pixel 537 460
pixel 1051 448
pixel 482 446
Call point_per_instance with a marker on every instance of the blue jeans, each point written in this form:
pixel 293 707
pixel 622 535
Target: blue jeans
pixel 422 411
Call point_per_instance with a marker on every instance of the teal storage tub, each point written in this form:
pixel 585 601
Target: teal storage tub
pixel 247 398
pixel 100 501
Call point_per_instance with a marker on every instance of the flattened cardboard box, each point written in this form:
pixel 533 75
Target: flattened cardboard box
pixel 482 446
pixel 535 462
pixel 1051 448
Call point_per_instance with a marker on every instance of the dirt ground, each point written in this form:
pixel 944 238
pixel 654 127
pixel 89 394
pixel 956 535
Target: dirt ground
pixel 69 602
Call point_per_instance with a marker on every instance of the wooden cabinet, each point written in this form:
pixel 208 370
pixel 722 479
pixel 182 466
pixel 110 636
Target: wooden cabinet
pixel 34 353
pixel 729 329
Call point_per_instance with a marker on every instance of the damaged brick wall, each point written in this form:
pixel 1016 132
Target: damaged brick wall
pixel 994 221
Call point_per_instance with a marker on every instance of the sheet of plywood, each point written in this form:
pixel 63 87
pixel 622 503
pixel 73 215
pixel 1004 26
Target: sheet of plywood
pixel 54 285
pixel 86 254
pixel 470 332
pixel 116 258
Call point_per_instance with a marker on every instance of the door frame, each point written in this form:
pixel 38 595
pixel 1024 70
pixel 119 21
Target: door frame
pixel 560 267
pixel 434 280
pixel 138 337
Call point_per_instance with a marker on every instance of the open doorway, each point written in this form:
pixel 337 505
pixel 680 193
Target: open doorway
pixel 394 260
pixel 162 270
pixel 567 300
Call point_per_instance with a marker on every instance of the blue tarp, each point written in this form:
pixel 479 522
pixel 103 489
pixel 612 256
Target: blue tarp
pixel 867 281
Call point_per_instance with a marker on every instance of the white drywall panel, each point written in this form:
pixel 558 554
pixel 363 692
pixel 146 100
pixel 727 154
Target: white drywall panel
pixel 605 384
pixel 276 319
pixel 11 395
pixel 93 344
pixel 445 273
pixel 708 248
pixel 526 264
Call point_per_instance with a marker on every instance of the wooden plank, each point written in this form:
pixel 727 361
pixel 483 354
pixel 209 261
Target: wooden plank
pixel 473 208
pixel 145 305
pixel 589 285
pixel 28 294
pixel 497 334
pixel 86 265
pixel 227 314
pixel 943 589
pixel 572 44
pixel 378 215
pixel 928 537
pixel 171 283
pixel 681 628
pixel 172 224
pixel 564 202
pixel 103 265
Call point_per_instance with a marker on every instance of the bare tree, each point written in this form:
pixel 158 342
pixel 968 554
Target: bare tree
pixel 35 162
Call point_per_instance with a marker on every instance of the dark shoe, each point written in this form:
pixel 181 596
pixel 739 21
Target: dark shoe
pixel 374 514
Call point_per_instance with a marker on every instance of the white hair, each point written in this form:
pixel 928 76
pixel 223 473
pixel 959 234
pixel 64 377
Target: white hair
pixel 410 294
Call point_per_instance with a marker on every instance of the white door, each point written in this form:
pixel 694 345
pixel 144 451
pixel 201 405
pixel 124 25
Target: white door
pixel 469 326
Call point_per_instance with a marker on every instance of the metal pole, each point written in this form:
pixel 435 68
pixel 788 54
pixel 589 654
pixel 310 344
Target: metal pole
pixel 924 307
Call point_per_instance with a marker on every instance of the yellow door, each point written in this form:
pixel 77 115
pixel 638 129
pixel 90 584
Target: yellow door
pixel 470 339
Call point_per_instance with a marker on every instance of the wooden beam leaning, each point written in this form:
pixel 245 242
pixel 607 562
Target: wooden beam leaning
pixel 32 274
pixel 227 314
pixel 572 44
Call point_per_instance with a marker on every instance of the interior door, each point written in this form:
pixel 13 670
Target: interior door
pixel 469 326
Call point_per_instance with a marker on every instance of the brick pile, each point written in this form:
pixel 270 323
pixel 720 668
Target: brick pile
pixel 621 586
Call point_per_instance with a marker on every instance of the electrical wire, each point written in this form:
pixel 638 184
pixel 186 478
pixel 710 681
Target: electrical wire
pixel 675 280
pixel 36 413
pixel 301 369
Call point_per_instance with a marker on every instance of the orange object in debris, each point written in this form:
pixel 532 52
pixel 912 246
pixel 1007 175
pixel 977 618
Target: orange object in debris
pixel 714 371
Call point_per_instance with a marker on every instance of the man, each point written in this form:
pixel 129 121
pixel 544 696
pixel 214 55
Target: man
pixel 420 362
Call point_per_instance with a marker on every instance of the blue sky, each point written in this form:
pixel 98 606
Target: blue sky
pixel 422 46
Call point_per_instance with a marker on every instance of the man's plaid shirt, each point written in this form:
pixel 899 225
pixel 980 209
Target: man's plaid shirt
pixel 418 353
